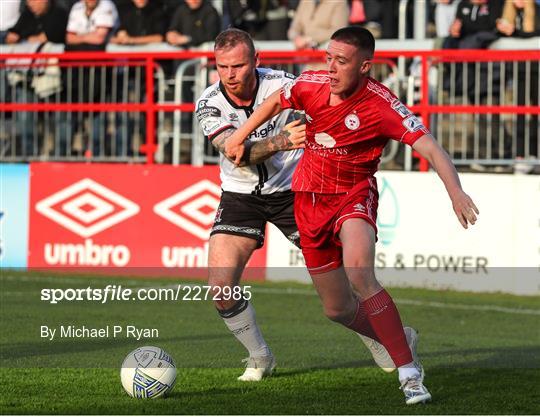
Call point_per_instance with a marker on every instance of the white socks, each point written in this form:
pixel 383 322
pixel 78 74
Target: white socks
pixel 408 371
pixel 245 329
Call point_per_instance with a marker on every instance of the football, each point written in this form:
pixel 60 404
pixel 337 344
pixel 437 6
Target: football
pixel 148 372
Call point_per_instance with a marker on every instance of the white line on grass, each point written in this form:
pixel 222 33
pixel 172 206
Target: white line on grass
pixel 421 303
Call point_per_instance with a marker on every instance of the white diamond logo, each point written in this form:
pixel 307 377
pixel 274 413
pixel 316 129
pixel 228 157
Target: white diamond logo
pixel 99 209
pixel 77 197
pixel 189 216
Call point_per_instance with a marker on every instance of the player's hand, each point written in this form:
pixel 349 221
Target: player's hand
pixel 505 27
pixel 296 132
pixel 465 209
pixel 455 28
pixel 234 149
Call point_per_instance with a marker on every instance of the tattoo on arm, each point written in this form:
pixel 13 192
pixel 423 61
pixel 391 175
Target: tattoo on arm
pixel 256 152
pixel 219 141
pixel 264 149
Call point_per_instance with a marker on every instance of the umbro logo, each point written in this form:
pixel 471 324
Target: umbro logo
pixel 192 209
pixel 359 207
pixel 87 208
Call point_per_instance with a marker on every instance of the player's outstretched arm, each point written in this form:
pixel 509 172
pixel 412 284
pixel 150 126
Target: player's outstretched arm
pixel 291 137
pixel 234 147
pixel 463 205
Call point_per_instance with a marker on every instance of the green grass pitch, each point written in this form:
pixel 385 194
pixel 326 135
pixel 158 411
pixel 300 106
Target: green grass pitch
pixel 481 353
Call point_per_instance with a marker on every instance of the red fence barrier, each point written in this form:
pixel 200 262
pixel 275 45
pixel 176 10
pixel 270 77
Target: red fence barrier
pixel 423 106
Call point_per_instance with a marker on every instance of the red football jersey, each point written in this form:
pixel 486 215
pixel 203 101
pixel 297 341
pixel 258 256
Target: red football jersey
pixel 344 143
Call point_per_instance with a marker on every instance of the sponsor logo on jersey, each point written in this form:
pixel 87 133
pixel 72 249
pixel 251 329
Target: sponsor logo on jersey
pixel 309 118
pixel 274 76
pixel 352 121
pixel 204 111
pixel 413 124
pixel 212 93
pixel 264 132
pixel 325 151
pixel 400 108
pixel 233 117
pixel 325 140
pixel 210 125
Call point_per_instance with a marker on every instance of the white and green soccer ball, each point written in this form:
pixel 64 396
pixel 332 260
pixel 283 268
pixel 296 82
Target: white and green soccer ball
pixel 148 372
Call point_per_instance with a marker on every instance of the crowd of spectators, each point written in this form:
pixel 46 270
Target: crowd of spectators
pixel 189 23
pixel 93 24
pixel 307 23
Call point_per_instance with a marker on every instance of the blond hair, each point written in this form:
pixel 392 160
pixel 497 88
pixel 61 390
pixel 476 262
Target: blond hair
pixel 529 10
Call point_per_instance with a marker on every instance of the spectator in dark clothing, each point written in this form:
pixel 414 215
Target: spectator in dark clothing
pixel 42 21
pixel 66 4
pixel 521 19
pixel 193 23
pixel 475 16
pixel 475 28
pixel 379 17
pixel 140 23
pixel 265 20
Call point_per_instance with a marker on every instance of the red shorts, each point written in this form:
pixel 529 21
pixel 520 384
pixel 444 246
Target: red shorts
pixel 319 218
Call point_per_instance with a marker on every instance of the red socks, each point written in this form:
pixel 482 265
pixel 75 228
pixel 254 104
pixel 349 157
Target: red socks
pixel 360 323
pixel 385 322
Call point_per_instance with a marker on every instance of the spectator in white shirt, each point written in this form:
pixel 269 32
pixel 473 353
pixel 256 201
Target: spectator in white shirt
pixel 92 23
pixel 10 10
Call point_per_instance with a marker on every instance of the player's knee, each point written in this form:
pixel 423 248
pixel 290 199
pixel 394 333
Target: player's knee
pixel 338 315
pixel 359 266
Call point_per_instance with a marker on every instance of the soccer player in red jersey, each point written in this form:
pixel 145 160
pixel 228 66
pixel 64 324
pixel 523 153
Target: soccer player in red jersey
pixel 350 118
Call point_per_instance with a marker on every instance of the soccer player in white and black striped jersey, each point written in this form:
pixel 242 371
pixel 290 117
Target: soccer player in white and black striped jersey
pixel 257 192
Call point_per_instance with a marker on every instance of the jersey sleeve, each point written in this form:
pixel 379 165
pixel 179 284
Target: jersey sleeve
pixel 211 118
pixel 107 16
pixel 72 25
pixel 399 123
pixel 293 93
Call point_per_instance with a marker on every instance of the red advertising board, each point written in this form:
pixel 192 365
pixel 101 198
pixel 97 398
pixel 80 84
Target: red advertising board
pixel 142 219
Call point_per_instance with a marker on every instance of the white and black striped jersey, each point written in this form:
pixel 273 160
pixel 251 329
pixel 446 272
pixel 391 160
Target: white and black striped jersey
pixel 216 112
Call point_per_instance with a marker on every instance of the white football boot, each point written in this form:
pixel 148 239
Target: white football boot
pixel 414 390
pixel 382 357
pixel 258 368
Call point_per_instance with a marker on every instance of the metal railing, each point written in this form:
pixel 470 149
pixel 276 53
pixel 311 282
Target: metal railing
pixel 139 106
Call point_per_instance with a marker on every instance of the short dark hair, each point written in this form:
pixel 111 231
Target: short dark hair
pixel 357 36
pixel 229 38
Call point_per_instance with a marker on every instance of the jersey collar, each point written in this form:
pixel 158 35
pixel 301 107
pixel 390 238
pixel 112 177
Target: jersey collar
pixel 236 106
